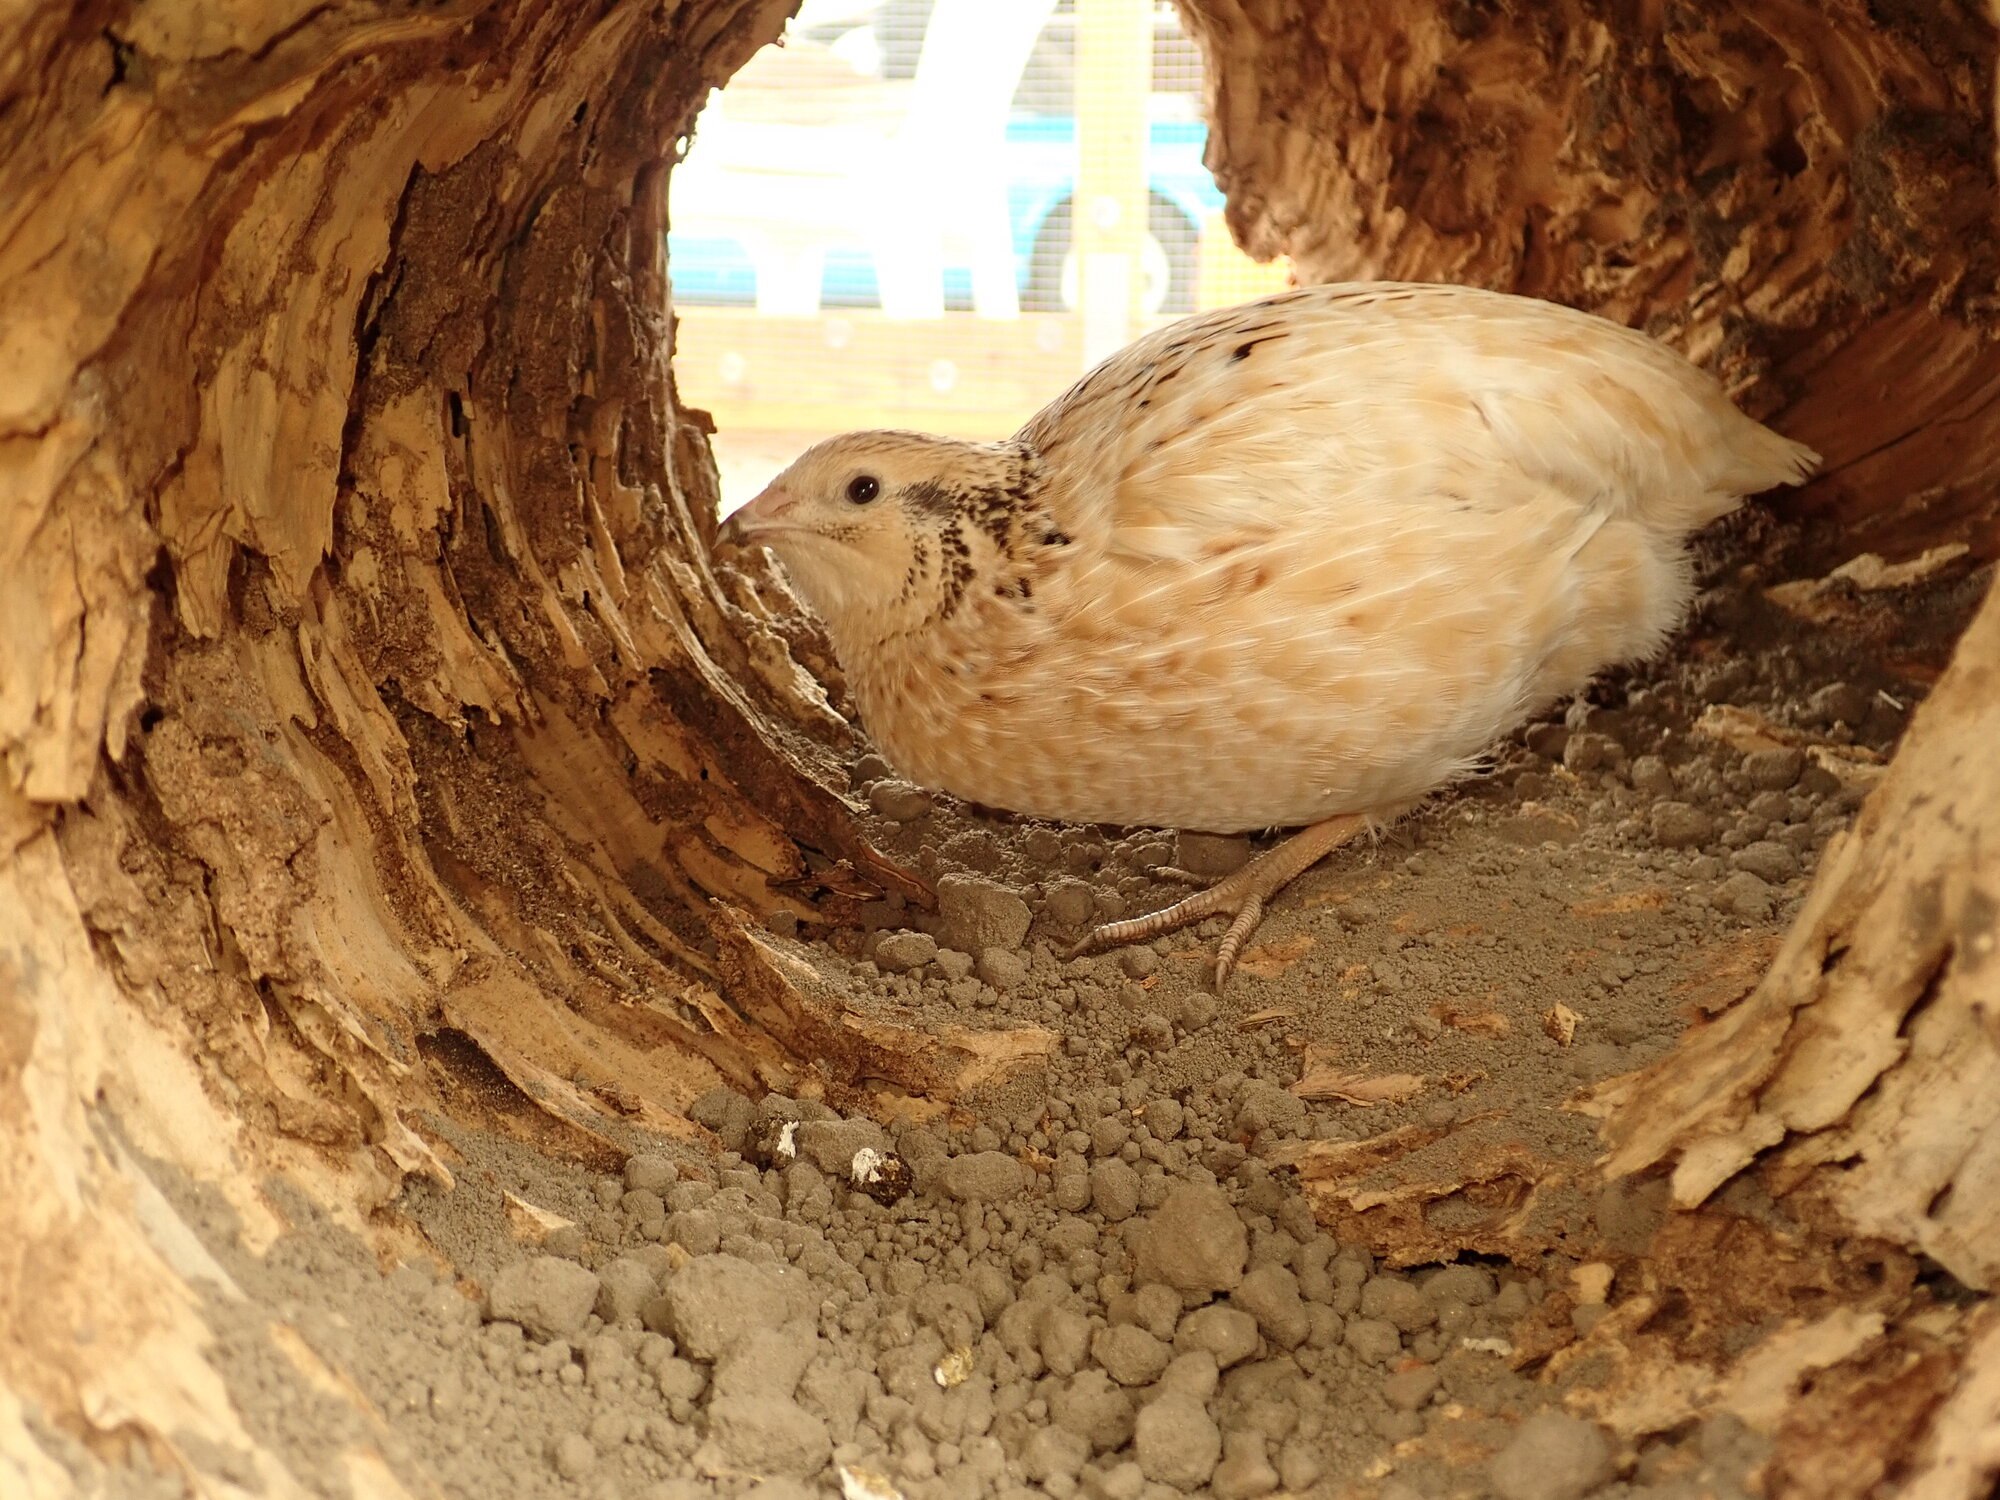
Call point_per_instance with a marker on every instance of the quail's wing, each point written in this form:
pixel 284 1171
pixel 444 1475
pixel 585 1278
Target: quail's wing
pixel 1286 412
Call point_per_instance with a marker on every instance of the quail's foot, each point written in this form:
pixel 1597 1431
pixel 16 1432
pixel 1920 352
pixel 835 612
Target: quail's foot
pixel 1240 897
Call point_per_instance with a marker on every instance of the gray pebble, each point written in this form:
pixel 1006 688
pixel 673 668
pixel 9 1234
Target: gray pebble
pixel 767 1435
pixel 992 1288
pixel 1300 1465
pixel 1265 1106
pixel 1270 1294
pixel 1114 1190
pixel 1745 894
pixel 679 1379
pixel 1245 1471
pixel 1176 1442
pixel 1002 969
pixel 651 1173
pixel 1070 1183
pixel 899 952
pixel 1768 860
pixel 982 1177
pixel 624 1286
pixel 1374 1339
pixel 1063 1336
pixel 1193 1242
pixel 1109 1135
pixel 1774 770
pixel 727 1113
pixel 1592 752
pixel 715 1300
pixel 1227 1333
pixel 1551 1457
pixel 1071 903
pixel 831 1145
pixel 1095 1408
pixel 1211 854
pixel 1397 1301
pixel 1677 825
pixel 1130 1355
pixel 976 914
pixel 1650 776
pixel 808 1195
pixel 1138 963
pixel 1772 807
pixel 1196 1010
pixel 1157 1309
pixel 1468 1286
pixel 1837 703
pixel 1051 1451
pixel 1547 740
pixel 1193 1374
pixel 696 1230
pixel 547 1295
pixel 572 1455
pixel 898 801
pixel 1406 1390
pixel 868 770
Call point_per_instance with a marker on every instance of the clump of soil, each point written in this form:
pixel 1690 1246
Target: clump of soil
pixel 1334 1232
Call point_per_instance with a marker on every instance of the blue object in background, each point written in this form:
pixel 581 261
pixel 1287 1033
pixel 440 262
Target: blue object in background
pixel 1041 180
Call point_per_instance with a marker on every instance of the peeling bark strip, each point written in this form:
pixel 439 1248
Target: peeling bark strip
pixel 1798 195
pixel 1869 1055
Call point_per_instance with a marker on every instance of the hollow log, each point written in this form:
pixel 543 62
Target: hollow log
pixel 375 736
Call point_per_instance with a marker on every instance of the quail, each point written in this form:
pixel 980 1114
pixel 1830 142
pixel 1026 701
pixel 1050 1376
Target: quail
pixel 1298 562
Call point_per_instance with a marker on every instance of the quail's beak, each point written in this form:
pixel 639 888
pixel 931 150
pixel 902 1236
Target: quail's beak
pixel 771 511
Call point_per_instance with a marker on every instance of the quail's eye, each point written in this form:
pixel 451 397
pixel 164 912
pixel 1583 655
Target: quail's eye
pixel 863 488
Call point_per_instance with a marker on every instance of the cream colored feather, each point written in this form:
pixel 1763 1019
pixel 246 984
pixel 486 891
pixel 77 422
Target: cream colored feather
pixel 1305 557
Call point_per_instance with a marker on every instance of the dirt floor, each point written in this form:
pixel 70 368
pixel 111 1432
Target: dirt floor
pixel 1332 1233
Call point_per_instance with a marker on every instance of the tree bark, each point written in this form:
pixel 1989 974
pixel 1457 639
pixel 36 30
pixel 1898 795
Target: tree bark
pixel 375 737
pixel 373 729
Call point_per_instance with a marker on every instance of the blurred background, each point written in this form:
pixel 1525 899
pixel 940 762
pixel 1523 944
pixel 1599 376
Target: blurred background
pixel 937 214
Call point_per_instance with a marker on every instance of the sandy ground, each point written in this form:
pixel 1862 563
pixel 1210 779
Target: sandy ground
pixel 1153 1259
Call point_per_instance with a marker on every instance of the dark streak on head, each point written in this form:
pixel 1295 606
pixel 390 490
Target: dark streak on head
pixel 930 498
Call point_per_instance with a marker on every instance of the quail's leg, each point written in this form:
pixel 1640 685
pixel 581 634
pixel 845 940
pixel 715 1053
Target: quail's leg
pixel 1240 896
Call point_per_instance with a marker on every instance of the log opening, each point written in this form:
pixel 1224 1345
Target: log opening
pixel 378 740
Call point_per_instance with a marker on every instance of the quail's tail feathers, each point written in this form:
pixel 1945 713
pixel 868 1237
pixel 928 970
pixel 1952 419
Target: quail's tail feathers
pixel 1767 460
pixel 1753 459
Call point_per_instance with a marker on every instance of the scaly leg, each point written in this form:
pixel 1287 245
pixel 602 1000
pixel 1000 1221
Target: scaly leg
pixel 1240 896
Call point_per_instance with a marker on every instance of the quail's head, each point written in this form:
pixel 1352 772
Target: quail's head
pixel 881 531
